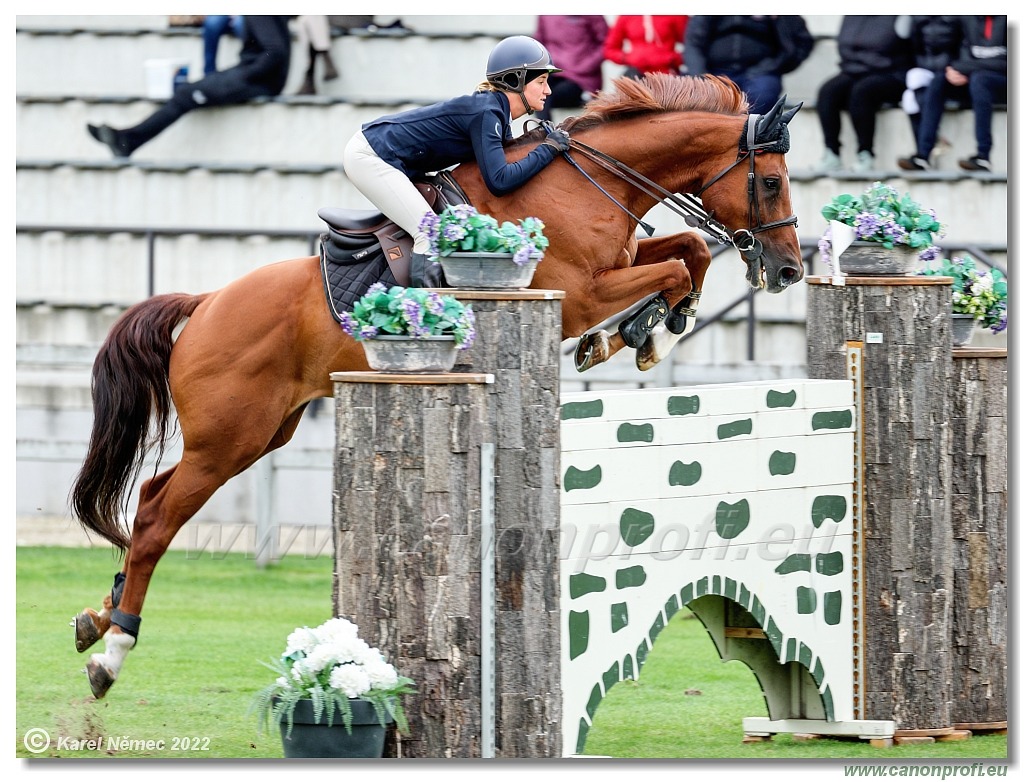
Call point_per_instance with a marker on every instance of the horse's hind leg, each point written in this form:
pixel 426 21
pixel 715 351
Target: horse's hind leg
pixel 92 625
pixel 164 508
pixel 165 504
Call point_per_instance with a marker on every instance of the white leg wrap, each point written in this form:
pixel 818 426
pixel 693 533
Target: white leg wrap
pixel 118 646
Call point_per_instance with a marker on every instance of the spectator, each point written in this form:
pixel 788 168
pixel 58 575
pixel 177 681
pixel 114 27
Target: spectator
pixel 215 28
pixel 874 56
pixel 936 41
pixel 578 43
pixel 314 36
pixel 753 51
pixel 982 67
pixel 262 70
pixel 645 44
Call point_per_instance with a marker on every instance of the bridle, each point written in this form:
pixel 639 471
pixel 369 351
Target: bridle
pixel 688 205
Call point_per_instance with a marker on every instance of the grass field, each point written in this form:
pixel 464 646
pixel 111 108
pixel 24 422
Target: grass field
pixel 210 622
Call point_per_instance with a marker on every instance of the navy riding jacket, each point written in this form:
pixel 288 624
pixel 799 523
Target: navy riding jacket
pixel 470 127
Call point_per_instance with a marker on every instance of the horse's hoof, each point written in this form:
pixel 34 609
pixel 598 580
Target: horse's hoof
pixel 100 678
pixel 647 355
pixel 591 350
pixel 86 631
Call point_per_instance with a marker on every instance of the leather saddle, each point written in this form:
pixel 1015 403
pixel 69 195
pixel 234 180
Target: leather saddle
pixel 363 246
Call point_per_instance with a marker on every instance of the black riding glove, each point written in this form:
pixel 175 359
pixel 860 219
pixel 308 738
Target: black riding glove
pixel 558 140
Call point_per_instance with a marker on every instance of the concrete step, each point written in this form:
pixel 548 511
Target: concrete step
pixel 315 129
pixel 424 67
pixel 438 24
pixel 56 347
pixel 60 269
pixel 446 53
pixel 190 196
pixel 52 442
pixel 67 270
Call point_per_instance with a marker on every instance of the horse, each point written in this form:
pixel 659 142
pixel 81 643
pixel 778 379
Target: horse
pixel 252 355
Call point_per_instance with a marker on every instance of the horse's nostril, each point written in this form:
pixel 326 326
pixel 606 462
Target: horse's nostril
pixel 789 274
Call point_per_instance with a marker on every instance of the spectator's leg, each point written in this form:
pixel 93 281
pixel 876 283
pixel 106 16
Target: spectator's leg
pixel 833 97
pixel 987 88
pixel 181 103
pixel 932 100
pixel 762 90
pixel 866 98
pixel 223 88
pixel 320 39
pixel 213 28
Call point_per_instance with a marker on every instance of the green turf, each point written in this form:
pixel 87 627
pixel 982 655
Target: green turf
pixel 687 703
pixel 211 621
pixel 208 625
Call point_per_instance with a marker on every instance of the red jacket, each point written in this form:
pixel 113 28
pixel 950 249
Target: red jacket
pixel 653 45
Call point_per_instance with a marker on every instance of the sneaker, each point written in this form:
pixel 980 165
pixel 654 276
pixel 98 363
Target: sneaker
pixel 865 162
pixel 975 164
pixel 107 135
pixel 913 163
pixel 829 162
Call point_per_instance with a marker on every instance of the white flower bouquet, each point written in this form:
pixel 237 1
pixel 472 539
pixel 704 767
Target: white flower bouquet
pixel 329 665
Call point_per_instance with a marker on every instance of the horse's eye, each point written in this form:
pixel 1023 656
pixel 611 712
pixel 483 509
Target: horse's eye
pixel 771 183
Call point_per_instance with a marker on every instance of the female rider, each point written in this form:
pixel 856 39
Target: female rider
pixel 381 158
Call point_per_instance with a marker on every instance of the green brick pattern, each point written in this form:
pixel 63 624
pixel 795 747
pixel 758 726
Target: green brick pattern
pixel 681 497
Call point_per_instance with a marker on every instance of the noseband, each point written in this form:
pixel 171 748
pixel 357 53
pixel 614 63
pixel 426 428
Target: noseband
pixel 687 205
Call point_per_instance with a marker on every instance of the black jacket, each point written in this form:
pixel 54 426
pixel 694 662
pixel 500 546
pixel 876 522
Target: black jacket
pixel 936 41
pixel 746 44
pixel 869 45
pixel 981 52
pixel 470 127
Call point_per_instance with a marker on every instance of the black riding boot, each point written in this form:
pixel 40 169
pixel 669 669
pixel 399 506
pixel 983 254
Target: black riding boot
pixel 424 273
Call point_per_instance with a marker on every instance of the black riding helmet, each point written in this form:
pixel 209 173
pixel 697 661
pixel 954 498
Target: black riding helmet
pixel 517 61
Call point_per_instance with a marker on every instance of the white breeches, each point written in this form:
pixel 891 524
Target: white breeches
pixel 387 188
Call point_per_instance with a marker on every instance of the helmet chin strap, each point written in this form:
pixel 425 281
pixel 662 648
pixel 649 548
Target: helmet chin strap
pixel 526 103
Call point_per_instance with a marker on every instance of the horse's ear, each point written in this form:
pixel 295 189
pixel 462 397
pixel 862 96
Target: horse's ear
pixel 791 113
pixel 768 124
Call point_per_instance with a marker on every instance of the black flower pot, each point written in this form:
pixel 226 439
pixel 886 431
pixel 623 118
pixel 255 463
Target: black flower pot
pixel 311 738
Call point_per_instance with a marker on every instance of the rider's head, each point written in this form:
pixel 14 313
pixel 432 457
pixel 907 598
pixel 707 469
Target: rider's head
pixel 517 61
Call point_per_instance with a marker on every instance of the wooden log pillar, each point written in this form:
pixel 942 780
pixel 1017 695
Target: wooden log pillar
pixel 979 454
pixel 446 523
pixel 519 334
pixel 903 548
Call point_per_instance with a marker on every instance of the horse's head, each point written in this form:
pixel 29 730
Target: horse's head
pixel 751 197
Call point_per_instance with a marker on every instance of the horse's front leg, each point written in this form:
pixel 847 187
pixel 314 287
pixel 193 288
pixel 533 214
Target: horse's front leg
pixel 619 288
pixel 681 317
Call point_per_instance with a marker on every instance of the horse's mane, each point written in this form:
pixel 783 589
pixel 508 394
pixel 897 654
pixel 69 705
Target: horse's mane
pixel 660 92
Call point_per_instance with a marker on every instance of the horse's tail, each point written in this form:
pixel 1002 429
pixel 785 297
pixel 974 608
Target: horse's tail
pixel 129 386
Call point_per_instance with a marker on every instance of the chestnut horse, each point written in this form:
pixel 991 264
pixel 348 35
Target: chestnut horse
pixel 253 354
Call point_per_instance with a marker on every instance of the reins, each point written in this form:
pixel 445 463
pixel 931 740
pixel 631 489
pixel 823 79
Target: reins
pixel 686 205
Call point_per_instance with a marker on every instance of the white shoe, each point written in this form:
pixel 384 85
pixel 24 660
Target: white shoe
pixel 865 162
pixel 829 162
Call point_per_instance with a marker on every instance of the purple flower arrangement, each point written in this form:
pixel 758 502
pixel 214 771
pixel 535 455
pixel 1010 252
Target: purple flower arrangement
pixel 882 214
pixel 410 312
